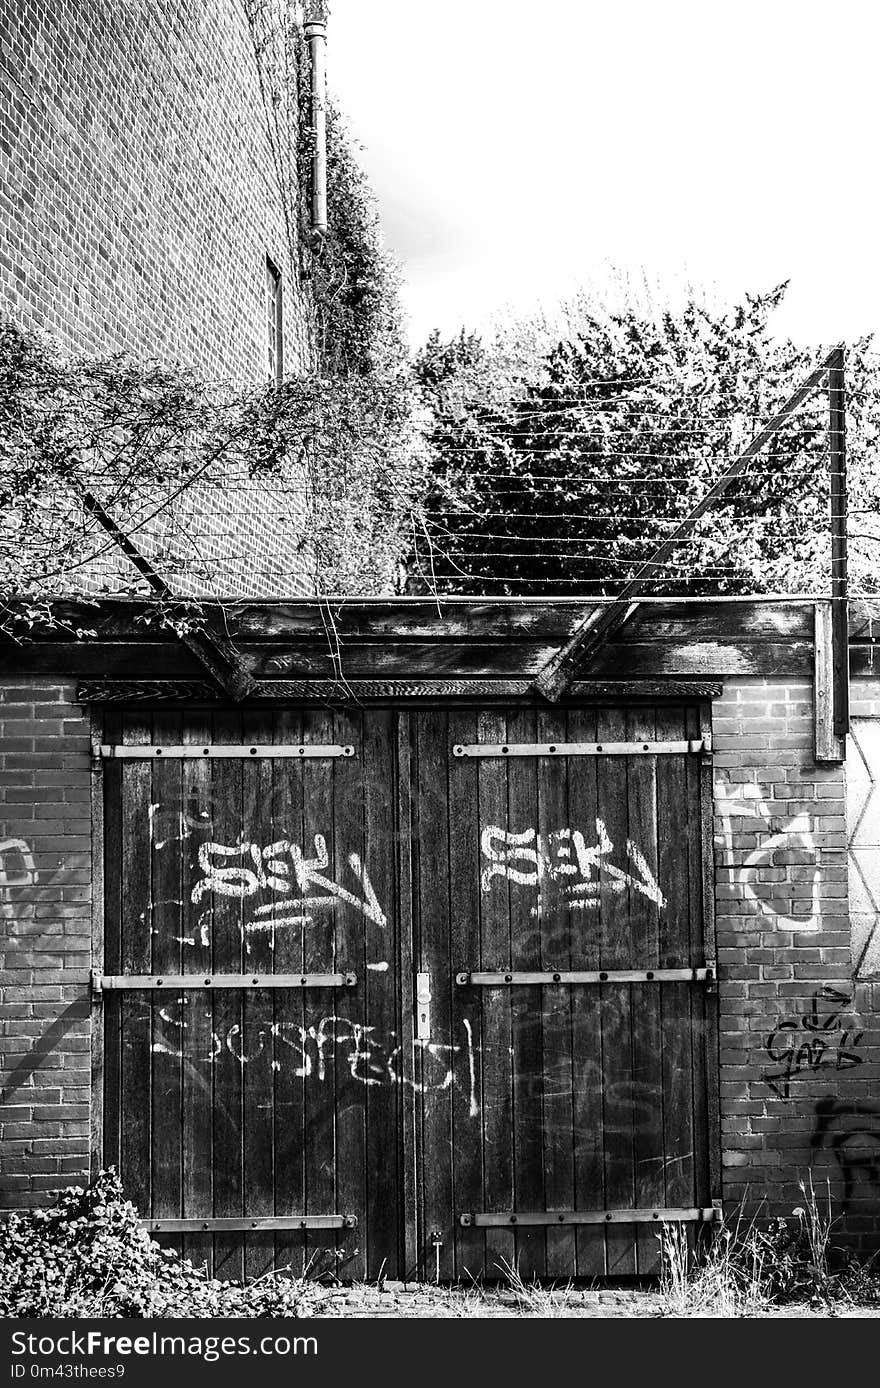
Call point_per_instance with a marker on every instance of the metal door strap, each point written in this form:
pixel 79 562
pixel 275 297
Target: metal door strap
pixel 268 1222
pixel 545 976
pixel 645 1216
pixel 118 983
pixel 144 751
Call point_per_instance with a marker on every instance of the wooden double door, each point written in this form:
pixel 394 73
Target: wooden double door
pixel 413 990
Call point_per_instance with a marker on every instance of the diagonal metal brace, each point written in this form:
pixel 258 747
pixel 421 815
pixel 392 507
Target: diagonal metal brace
pixel 218 658
pixel 592 631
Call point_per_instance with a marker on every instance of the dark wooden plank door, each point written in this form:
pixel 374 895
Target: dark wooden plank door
pixel 257 1103
pixel 562 1098
pixel 408 862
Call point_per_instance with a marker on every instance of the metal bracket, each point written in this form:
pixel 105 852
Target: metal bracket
pixel 691 1215
pixel 577 749
pixel 186 752
pixel 546 976
pixel 233 1224
pixel 95 982
pixel 126 983
pixel 711 973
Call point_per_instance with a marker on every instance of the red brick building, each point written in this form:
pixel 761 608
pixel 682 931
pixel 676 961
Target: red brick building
pixel 150 205
pixel 659 869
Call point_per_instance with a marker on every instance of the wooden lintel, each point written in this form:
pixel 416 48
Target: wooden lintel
pixel 829 747
pixel 197 691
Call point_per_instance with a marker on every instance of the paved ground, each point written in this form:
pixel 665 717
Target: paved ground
pixel 394 1299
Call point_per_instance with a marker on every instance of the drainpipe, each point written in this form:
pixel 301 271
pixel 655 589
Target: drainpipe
pixel 316 37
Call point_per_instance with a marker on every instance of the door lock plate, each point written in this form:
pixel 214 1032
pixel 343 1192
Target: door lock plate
pixel 423 1007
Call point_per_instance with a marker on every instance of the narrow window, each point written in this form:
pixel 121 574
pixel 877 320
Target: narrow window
pixel 274 323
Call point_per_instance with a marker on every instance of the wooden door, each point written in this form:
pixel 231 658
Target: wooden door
pixel 250 985
pixel 333 1032
pixel 563 923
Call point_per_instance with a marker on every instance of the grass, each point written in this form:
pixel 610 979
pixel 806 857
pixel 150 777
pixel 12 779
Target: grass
pixel 745 1270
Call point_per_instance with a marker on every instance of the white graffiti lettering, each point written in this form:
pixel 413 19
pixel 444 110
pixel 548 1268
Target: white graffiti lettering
pixel 531 860
pixel 280 867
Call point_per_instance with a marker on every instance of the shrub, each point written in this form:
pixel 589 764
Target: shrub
pixel 88 1255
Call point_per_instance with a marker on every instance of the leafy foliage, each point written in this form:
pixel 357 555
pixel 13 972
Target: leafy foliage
pixel 88 1255
pixel 341 454
pixel 567 466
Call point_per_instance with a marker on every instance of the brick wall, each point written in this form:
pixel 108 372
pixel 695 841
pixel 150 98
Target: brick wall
pixel 800 1042
pixel 800 1045
pixel 45 955
pixel 140 196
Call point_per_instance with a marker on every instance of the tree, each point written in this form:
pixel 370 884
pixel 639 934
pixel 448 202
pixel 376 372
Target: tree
pixel 562 467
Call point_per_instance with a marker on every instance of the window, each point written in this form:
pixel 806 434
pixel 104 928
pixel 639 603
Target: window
pixel 274 323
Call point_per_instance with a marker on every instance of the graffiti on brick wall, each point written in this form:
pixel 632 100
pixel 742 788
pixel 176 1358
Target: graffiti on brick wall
pixel 17 870
pixel 851 1133
pixel 782 842
pixel 825 1037
pixel 565 858
pixel 863 842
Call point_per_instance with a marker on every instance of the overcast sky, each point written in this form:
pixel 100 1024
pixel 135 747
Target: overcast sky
pixel 519 150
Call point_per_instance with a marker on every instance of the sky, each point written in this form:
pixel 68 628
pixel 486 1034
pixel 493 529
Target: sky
pixel 521 152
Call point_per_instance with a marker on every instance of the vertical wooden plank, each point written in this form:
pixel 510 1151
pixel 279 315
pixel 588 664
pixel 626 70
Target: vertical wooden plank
pixel 136 958
pixel 679 841
pixel 586 1007
pixel 109 959
pixel 612 832
pixel 839 574
pixel 170 1014
pixel 433 1053
pixel 464 953
pixel 497 1070
pixel 258 1042
pixel 193 828
pixel 707 1098
pixel 319 956
pixel 641 864
pixel 828 746
pixel 526 1005
pixel 380 989
pixel 354 1051
pixel 228 831
pixel 555 922
pixel 293 1050
pixel 407 906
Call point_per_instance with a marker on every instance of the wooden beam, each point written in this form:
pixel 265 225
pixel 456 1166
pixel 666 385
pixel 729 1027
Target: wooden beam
pixel 593 630
pixel 829 747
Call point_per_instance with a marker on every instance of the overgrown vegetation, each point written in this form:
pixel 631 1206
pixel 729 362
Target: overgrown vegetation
pixel 748 1267
pixel 338 463
pixel 89 1256
pixel 565 453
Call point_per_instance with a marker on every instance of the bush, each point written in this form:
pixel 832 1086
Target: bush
pixel 89 1256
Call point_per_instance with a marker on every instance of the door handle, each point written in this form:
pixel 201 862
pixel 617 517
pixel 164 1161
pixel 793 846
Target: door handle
pixel 423 1007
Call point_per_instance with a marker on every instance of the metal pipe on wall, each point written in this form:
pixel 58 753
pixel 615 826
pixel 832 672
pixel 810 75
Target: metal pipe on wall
pixel 316 37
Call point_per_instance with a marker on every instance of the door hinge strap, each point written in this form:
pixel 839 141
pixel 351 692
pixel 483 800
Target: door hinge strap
pixel 144 983
pixel 576 749
pixel 546 976
pixel 645 1216
pixel 211 1225
pixel 293 751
